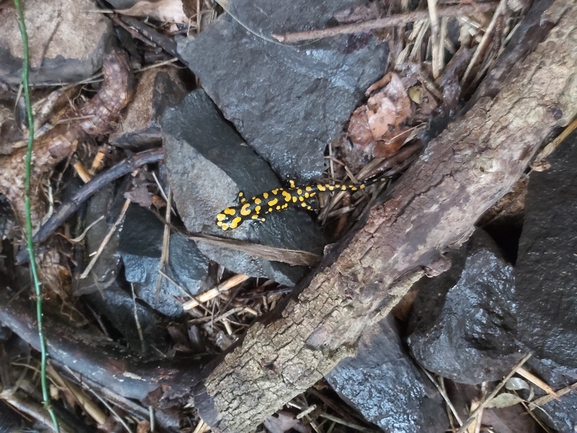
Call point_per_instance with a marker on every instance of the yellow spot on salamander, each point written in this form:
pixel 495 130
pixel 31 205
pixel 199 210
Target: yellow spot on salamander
pixel 278 208
pixel 308 188
pixel 331 188
pixel 301 198
pixel 265 195
pixel 245 209
pixel 229 211
pixel 255 217
pixel 269 210
pixel 220 217
pixel 235 222
pixel 286 195
pixel 343 187
pixel 299 191
pixel 321 187
pixel 275 191
pixel 363 186
pixel 257 210
pixel 292 183
pixel 257 200
pixel 307 195
pixel 273 202
pixel 294 198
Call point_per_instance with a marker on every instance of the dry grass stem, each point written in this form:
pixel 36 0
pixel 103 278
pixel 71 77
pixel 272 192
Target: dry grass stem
pixel 547 398
pixel 537 382
pixel 550 148
pixel 485 40
pixel 215 291
pixel 106 240
pixel 393 21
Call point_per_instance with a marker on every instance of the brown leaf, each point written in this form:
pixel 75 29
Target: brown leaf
pixel 284 422
pixel 171 11
pixel 359 130
pixel 385 111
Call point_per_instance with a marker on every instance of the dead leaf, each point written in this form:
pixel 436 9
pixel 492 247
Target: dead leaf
pixel 386 148
pixel 171 11
pixel 504 400
pixel 140 195
pixel 386 111
pixel 284 422
pixel 516 384
pixel 359 130
pixel 143 427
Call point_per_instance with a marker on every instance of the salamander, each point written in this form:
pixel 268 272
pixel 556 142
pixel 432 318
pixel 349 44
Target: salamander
pixel 277 200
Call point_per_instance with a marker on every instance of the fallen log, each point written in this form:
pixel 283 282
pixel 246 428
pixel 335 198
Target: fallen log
pixel 433 207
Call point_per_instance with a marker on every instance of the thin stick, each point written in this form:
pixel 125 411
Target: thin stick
pixel 106 240
pixel 393 21
pixel 485 39
pixel 165 246
pixel 435 37
pixel 214 292
pixel 29 232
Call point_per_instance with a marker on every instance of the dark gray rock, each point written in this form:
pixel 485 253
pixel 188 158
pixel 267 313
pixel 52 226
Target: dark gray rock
pixel 118 307
pixel 546 268
pixel 66 43
pixel 208 165
pixel 141 248
pixel 560 415
pixel 460 323
pixel 383 383
pixel 288 102
pixel 107 267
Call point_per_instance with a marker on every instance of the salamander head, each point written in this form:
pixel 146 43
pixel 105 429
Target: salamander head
pixel 229 218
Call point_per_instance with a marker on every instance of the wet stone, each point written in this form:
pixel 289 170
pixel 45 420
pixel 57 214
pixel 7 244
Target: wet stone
pixel 560 415
pixel 119 308
pixel 66 43
pixel 108 265
pixel 141 248
pixel 461 320
pixel 287 101
pixel 546 268
pixel 384 384
pixel 208 164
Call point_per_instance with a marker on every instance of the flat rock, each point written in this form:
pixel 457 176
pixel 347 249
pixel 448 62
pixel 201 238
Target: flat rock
pixel 141 248
pixel 66 41
pixel 460 322
pixel 288 102
pixel 546 268
pixel 208 164
pixel 385 385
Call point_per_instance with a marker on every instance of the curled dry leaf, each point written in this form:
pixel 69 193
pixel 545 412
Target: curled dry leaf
pixel 283 422
pixel 383 117
pixel 504 400
pixel 516 384
pixel 171 11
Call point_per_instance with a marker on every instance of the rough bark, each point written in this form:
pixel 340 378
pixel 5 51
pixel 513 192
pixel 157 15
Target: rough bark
pixel 433 207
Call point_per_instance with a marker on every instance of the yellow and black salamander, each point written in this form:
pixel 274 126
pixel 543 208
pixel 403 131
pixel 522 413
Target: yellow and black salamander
pixel 277 200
